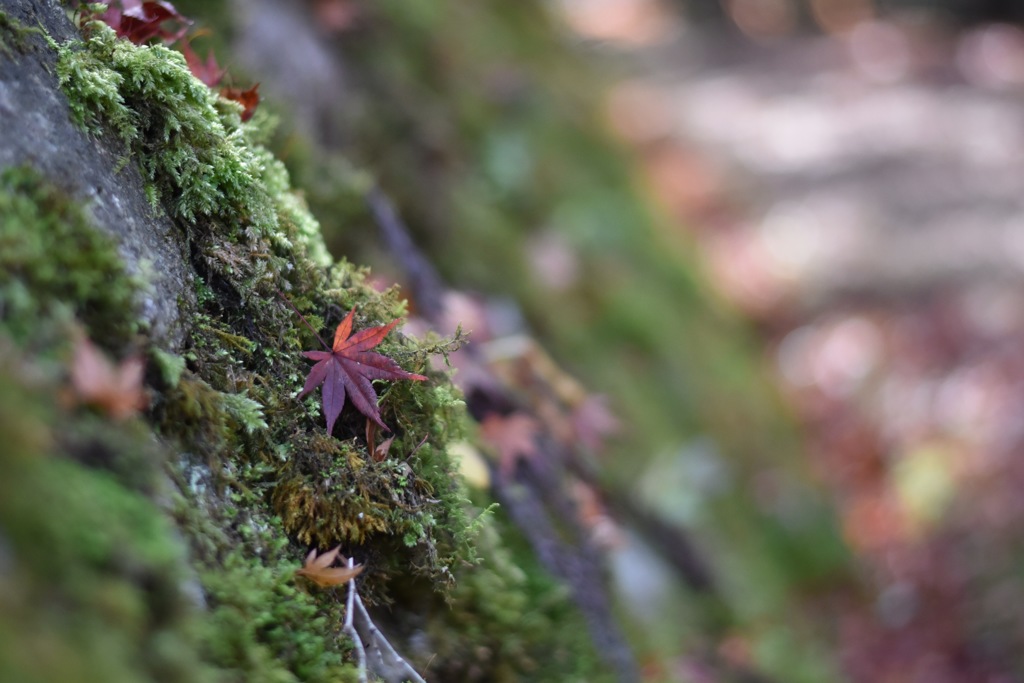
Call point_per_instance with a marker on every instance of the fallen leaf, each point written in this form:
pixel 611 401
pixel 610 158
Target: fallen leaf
pixel 380 453
pixel 140 21
pixel 209 72
pixel 513 436
pixel 115 389
pixel 318 569
pixel 371 436
pixel 349 368
pixel 377 452
pixel 249 99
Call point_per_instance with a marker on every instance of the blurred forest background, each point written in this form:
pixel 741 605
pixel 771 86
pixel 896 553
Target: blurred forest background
pixel 849 172
pixel 802 297
pixel 770 252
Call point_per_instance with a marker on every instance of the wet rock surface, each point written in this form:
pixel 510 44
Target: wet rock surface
pixel 38 130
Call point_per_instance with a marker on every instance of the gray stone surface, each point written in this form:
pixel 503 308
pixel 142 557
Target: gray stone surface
pixel 36 128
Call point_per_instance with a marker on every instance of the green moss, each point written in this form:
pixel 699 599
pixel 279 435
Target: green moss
pixel 253 237
pixel 91 575
pixel 171 366
pixel 55 265
pixel 264 626
pixel 188 142
pixel 94 583
pixel 202 162
pixel 258 480
pixel 509 621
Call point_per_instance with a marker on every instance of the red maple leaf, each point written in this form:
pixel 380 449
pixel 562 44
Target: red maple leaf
pixel 140 21
pixel 349 368
pixel 209 72
pixel 249 99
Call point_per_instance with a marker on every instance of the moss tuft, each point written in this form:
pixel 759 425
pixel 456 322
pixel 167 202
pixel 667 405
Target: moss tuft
pixel 55 265
pixel 189 143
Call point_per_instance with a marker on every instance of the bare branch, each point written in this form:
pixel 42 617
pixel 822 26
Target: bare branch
pixel 350 629
pixel 425 284
pixel 373 651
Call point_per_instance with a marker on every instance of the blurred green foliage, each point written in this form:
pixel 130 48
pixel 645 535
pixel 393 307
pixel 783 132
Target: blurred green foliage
pixel 483 121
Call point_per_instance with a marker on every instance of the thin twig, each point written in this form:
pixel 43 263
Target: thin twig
pixel 427 288
pixel 418 446
pixel 387 659
pixel 373 651
pixel 350 629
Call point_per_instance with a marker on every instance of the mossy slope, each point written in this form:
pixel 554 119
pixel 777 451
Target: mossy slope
pixel 505 158
pixel 125 557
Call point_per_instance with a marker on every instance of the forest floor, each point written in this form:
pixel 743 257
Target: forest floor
pixel 860 198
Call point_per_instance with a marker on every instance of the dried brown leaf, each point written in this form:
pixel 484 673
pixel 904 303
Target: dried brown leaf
pixel 249 99
pixel 115 389
pixel 318 569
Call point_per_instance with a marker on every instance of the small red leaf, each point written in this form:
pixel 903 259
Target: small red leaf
pixel 209 72
pixel 348 371
pixel 381 452
pixel 249 99
pixel 115 389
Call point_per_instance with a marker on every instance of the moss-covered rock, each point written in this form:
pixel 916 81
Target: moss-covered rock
pixel 93 583
pixel 164 547
pixel 54 264
pixel 253 245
